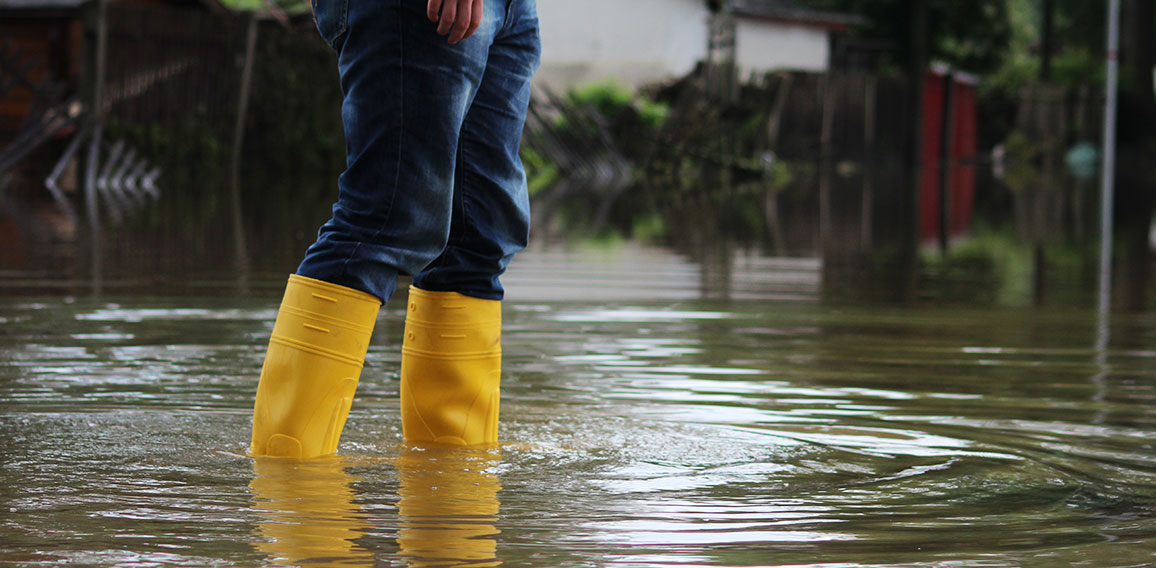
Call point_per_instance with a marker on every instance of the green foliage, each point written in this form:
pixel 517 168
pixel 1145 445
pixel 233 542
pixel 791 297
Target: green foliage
pixel 294 126
pixel 611 99
pixel 649 227
pixel 653 114
pixel 1020 171
pixel 608 98
pixel 1078 65
pixel 289 6
pixel 990 267
pixel 1079 24
pixel 1011 77
pixel 1077 57
pixel 996 39
pixel 971 35
pixel 997 268
pixel 781 175
pixel 540 172
pixel 1020 66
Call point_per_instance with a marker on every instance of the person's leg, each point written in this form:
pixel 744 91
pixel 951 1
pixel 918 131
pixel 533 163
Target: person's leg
pixel 407 91
pixel 451 357
pixel 491 209
pixel 406 94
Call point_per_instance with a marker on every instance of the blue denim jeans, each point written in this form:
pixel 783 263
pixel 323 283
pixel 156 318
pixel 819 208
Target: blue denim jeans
pixel 433 185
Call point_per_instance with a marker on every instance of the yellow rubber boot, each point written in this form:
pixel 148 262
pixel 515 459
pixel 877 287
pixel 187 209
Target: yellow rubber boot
pixel 451 366
pixel 311 369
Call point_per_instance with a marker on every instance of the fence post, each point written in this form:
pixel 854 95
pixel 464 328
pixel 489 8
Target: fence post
pixel 1107 171
pixel 917 73
pixel 91 202
pixel 826 156
pixel 947 159
pixel 240 246
pixel 867 205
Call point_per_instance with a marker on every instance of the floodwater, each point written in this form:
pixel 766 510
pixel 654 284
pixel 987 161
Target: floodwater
pixel 643 425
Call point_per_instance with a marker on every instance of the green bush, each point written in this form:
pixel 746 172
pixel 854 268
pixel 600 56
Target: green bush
pixel 540 172
pixel 611 99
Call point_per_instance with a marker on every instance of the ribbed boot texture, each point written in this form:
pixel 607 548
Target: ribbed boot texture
pixel 451 368
pixel 311 368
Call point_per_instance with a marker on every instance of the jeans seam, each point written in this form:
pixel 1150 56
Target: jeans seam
pixel 344 21
pixel 397 160
pixel 460 196
pixel 400 131
pixel 457 224
pixel 505 20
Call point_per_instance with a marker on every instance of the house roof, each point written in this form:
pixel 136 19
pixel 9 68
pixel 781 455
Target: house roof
pixel 39 4
pixel 211 5
pixel 787 11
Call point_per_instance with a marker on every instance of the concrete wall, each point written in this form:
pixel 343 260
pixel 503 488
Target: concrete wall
pixel 763 46
pixel 631 41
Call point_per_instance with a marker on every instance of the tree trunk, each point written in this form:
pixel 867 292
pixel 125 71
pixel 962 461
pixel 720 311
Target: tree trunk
pixel 1046 43
pixel 917 69
pixel 1136 188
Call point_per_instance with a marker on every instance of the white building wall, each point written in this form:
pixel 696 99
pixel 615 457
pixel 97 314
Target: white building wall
pixel 764 46
pixel 633 42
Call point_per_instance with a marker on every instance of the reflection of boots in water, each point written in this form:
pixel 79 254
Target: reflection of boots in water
pixel 448 506
pixel 308 514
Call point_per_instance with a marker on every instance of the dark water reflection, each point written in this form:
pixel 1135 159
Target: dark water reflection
pixel 637 432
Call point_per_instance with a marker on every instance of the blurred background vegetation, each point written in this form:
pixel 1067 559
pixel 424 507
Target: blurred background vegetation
pixel 783 163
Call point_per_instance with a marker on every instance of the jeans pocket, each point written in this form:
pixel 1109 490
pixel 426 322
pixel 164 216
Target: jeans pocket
pixel 332 19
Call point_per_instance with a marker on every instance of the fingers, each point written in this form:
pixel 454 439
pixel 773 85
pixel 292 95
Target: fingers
pixel 457 18
pixel 475 19
pixel 462 23
pixel 449 15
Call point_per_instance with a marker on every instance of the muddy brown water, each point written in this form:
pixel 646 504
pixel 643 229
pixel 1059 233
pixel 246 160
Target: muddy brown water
pixel 642 425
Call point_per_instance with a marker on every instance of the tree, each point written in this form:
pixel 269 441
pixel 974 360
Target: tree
pixel 973 36
pixel 288 6
pixel 1136 176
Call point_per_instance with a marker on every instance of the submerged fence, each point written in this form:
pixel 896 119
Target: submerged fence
pixel 820 164
pixel 208 70
pixel 818 157
pixel 193 106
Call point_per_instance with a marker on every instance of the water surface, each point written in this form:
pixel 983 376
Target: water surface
pixel 639 429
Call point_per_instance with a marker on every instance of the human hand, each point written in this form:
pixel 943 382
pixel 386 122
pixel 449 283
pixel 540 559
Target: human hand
pixel 458 18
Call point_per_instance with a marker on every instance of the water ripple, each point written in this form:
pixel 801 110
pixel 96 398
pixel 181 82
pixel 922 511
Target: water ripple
pixel 682 434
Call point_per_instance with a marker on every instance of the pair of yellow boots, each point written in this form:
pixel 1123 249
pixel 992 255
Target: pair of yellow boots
pixel 450 368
